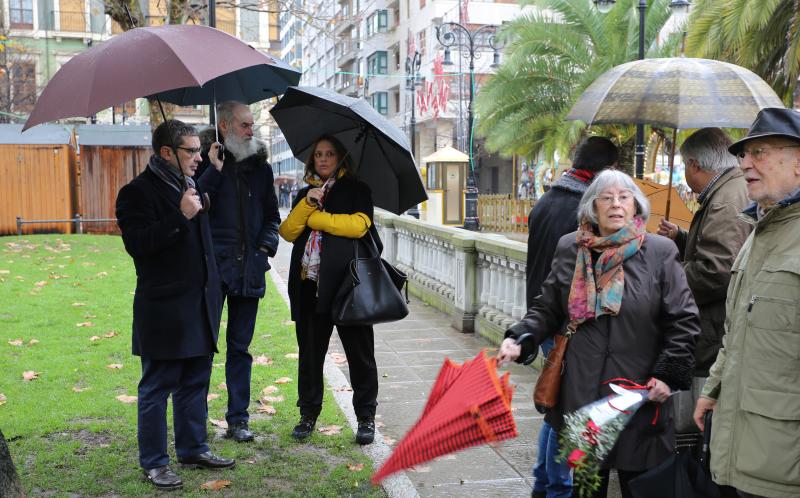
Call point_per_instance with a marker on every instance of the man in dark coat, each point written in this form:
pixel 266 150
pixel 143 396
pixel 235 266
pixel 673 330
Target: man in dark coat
pixel 709 248
pixel 176 304
pixel 244 222
pixel 553 216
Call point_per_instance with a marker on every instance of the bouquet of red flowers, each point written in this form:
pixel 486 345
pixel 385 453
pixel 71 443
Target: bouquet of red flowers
pixel 590 432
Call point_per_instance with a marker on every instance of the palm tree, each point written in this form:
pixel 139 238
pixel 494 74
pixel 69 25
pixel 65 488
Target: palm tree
pixel 552 55
pixel 763 38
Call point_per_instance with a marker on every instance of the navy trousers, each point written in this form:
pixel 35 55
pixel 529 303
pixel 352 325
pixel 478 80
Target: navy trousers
pixel 187 381
pixel 238 360
pixel 313 335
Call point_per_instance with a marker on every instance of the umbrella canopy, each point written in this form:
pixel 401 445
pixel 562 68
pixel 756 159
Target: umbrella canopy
pixel 678 92
pixel 147 61
pixel 468 405
pixel 379 151
pixel 657 195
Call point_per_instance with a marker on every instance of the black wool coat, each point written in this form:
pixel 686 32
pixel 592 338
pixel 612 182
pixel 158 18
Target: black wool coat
pixel 176 307
pixel 553 216
pixel 653 335
pixel 243 216
pixel 347 196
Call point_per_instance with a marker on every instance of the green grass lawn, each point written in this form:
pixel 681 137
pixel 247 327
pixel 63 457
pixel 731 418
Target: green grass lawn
pixel 65 314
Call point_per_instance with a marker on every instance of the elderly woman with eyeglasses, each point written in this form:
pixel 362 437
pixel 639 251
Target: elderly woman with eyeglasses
pixel 326 217
pixel 624 293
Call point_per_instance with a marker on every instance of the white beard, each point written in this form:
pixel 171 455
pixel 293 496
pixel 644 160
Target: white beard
pixel 239 147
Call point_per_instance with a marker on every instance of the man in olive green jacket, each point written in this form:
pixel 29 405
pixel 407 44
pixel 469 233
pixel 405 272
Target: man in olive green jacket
pixel 754 385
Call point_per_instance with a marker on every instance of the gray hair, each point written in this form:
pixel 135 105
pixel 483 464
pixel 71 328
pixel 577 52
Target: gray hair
pixel 604 180
pixel 227 109
pixel 709 147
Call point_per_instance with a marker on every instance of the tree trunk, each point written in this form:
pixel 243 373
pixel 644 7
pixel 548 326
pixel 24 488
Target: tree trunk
pixel 627 157
pixel 10 485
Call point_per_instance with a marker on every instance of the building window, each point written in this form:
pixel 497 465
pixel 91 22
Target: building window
pixel 422 43
pixel 380 101
pixel 21 14
pixel 378 22
pixel 23 86
pixel 248 21
pixel 377 63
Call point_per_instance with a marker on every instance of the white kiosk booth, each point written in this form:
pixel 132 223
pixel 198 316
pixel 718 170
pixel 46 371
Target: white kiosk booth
pixel 446 180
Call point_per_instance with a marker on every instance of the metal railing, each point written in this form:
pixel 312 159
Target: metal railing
pixel 77 221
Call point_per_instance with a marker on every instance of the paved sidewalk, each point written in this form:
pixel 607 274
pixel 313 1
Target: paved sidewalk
pixel 409 354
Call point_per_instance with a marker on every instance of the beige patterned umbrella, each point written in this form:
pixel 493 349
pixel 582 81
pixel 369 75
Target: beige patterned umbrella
pixel 677 92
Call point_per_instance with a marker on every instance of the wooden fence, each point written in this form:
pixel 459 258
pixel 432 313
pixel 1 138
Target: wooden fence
pixel 502 213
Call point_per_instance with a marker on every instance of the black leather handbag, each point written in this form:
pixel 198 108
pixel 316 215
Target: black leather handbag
pixel 371 290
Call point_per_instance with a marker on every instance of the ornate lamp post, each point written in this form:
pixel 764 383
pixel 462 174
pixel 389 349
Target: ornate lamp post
pixel 677 6
pixel 413 80
pixel 469 43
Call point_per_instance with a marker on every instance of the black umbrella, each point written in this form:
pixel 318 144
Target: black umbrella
pixel 379 151
pixel 247 85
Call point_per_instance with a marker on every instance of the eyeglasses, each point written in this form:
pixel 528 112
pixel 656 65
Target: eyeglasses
pixel 191 150
pixel 759 153
pixel 319 154
pixel 623 198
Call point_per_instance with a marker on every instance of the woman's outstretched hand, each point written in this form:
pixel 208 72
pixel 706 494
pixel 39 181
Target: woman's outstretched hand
pixel 509 351
pixel 659 391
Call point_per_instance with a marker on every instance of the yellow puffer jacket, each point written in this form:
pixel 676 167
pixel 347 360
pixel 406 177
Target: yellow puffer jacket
pixel 353 226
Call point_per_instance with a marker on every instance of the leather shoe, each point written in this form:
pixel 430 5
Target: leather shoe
pixel 240 432
pixel 163 477
pixel 207 460
pixel 366 431
pixel 304 428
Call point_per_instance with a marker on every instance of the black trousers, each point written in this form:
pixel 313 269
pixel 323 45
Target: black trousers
pixel 242 313
pixel 313 335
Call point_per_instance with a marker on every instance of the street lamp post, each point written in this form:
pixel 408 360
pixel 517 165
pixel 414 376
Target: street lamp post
pixel 469 43
pixel 677 6
pixel 413 80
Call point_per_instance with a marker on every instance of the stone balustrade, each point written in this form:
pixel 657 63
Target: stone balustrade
pixel 478 279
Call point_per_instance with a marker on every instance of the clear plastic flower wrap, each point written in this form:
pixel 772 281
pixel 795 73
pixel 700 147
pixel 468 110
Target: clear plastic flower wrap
pixel 590 432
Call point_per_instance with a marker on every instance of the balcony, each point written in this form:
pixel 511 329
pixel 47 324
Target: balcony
pixel 344 21
pixel 346 51
pixel 347 85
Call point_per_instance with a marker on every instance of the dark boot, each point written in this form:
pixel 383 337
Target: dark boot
pixel 366 430
pixel 163 477
pixel 305 427
pixel 240 432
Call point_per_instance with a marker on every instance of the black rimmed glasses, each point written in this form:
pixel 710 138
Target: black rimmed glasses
pixel 191 150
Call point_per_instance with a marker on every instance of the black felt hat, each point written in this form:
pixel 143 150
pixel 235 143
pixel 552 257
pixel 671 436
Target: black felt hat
pixel 771 122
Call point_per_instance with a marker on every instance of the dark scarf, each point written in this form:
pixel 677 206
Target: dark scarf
pixel 169 174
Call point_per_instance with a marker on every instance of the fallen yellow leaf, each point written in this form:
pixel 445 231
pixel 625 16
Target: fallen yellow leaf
pixel 342 389
pixel 292 356
pixel 29 375
pixel 215 485
pixel 330 430
pixel 84 324
pixel 89 315
pixel 41 283
pixel 15 342
pixel 102 274
pixel 287 322
pixel 219 423
pixel 110 334
pixel 212 396
pixel 77 389
pixel 223 386
pixel 94 338
pixel 126 399
pixel 33 341
pixel 339 358
pixel 268 409
pixel 263 360
pixel 271 399
pixel 355 468
pixel 115 366
pixel 78 304
pixel 2 399
pixel 269 390
pixel 283 380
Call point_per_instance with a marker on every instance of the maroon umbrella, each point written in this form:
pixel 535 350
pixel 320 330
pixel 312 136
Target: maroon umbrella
pixel 148 61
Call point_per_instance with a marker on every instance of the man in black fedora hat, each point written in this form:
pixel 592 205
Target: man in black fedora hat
pixel 752 386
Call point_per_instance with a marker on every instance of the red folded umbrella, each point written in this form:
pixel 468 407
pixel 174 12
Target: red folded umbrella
pixel 468 405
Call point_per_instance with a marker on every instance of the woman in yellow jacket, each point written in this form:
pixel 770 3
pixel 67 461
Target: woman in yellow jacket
pixel 326 219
